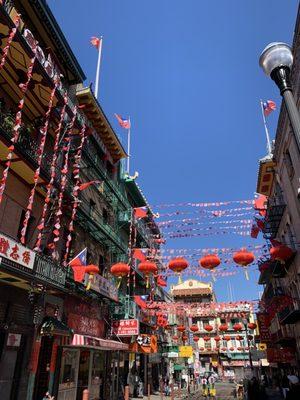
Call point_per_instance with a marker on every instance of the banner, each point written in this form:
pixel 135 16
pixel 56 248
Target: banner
pixel 185 351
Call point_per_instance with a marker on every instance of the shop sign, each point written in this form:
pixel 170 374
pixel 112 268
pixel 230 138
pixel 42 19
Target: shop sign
pixel 19 257
pixel 126 327
pixel 263 325
pixel 103 286
pixel 13 340
pixel 47 270
pixel 86 325
pixel 283 355
pixel 185 351
pixel 144 344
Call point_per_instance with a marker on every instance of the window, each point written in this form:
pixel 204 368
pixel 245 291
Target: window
pixel 289 164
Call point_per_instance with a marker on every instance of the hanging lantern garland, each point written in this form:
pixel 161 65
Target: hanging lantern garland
pixel 43 131
pixel 76 176
pixel 18 122
pixel 244 258
pixel 63 182
pixel 41 225
pixel 9 40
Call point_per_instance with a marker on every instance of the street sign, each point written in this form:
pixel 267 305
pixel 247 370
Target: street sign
pixel 126 327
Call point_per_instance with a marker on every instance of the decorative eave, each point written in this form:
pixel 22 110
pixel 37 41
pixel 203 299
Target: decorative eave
pixel 41 15
pixel 96 116
pixel 266 175
pixel 191 292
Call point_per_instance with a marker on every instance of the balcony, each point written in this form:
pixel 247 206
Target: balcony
pixel 94 161
pixel 283 337
pixel 93 222
pixel 47 270
pixel 273 269
pixel 275 211
pixel 290 314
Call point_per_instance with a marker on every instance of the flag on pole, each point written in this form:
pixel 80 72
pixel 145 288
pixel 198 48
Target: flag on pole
pixel 95 41
pixel 140 212
pixel 268 107
pixel 85 185
pixel 123 122
pixel 79 260
pixel 140 254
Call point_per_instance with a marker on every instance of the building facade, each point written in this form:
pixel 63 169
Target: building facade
pixel 219 333
pixel 278 180
pixel 63 189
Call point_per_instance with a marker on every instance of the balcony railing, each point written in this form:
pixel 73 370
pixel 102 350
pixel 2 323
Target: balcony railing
pixel 49 271
pixel 282 336
pixel 94 222
pixel 28 148
pixel 275 211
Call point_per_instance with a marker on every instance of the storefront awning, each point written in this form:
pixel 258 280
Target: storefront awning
pixel 102 344
pixel 52 326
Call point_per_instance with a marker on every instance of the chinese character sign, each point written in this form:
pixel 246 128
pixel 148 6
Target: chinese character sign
pixel 16 252
pixel 125 327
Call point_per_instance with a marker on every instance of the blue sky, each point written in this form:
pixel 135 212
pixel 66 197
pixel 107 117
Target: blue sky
pixel 187 74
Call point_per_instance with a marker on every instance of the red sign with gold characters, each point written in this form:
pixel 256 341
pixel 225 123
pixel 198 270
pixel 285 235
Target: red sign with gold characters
pixel 263 325
pixel 283 355
pixel 15 252
pixel 126 327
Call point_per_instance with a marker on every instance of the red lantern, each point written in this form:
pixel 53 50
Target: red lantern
pixel 223 327
pixel 195 338
pixel 206 338
pixel 175 337
pixel 240 348
pixel 178 265
pixel 231 349
pixel 237 327
pixel 147 268
pixel 194 328
pixel 224 349
pixel 226 338
pixel 264 266
pixel 202 349
pixel 210 261
pixel 181 328
pixel 238 337
pixel 92 270
pixel 217 339
pixel 247 348
pixel 184 338
pixel 243 257
pixel 252 325
pixel 208 328
pixel 120 270
pixel 281 253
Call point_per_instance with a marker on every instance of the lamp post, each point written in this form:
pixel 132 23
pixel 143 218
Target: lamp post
pixel 276 60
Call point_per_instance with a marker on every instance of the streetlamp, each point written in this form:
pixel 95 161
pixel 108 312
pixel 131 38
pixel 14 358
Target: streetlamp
pixel 276 60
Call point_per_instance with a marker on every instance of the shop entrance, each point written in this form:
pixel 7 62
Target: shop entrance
pixel 83 373
pixel 43 370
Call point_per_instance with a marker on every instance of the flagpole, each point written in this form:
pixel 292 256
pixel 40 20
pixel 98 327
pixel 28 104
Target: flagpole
pixel 266 128
pixel 128 146
pixel 98 67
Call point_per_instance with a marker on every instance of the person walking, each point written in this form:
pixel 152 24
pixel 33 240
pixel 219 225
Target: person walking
pixel 285 385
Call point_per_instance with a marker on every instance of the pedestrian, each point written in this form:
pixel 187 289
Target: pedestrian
pixel 204 386
pixel 285 385
pixel 253 389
